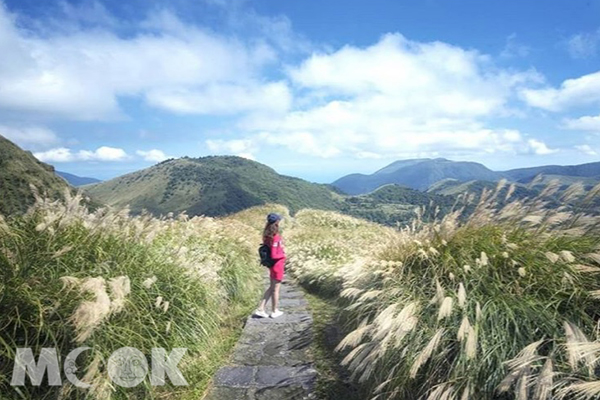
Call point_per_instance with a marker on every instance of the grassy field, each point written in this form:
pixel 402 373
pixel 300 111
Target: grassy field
pixel 503 305
pixel 105 280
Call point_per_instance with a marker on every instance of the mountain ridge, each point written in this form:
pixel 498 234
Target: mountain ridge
pixel 76 180
pixel 19 170
pixel 212 186
pixel 421 174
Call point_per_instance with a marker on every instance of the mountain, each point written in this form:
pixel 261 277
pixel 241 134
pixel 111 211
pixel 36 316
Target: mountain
pixel 416 174
pixel 19 170
pixel 213 186
pixel 438 173
pixel 524 175
pixel 75 180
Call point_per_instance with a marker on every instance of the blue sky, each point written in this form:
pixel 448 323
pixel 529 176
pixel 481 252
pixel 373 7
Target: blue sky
pixel 313 89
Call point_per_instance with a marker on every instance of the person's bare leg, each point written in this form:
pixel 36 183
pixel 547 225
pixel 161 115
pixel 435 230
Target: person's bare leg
pixel 268 294
pixel 276 285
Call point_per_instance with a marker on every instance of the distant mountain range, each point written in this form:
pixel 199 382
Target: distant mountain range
pixel 212 186
pixel 421 174
pixel 75 180
pixel 221 185
pixel 19 170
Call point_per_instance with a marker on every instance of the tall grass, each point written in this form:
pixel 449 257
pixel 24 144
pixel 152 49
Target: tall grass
pixel 500 303
pixel 106 280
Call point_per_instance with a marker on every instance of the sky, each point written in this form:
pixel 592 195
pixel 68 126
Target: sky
pixel 314 89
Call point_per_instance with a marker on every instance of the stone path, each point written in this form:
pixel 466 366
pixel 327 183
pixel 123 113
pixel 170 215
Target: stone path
pixel 271 361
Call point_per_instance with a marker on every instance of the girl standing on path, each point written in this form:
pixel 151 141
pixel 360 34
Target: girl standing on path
pixel 272 238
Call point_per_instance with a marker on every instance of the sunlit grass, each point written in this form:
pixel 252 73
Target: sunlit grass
pixel 105 280
pixel 439 310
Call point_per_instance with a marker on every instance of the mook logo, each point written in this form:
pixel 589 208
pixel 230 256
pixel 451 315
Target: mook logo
pixel 126 367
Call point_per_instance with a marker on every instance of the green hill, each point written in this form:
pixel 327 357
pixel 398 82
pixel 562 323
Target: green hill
pixel 216 185
pixel 392 204
pixel 19 170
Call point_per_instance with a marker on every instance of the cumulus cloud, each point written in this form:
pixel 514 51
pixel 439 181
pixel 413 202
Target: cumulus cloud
pixel 396 98
pixel 153 155
pixel 63 154
pixel 584 45
pixel 540 148
pixel 82 75
pixel 572 92
pixel 30 137
pixel 585 123
pixel 399 74
pixel 587 150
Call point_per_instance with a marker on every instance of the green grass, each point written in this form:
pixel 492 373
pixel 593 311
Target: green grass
pixel 455 308
pixel 131 266
pixel 333 380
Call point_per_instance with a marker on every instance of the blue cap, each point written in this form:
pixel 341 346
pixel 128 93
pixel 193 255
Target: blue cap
pixel 272 218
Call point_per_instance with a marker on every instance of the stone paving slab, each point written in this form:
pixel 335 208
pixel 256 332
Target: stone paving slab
pixel 271 360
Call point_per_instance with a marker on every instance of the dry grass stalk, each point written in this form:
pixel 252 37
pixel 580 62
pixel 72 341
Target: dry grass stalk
pixel 426 353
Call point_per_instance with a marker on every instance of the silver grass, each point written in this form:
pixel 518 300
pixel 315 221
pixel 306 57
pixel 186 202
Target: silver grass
pixel 543 385
pixel 149 282
pixel 426 353
pixel 552 257
pixel 90 314
pixel 567 256
pixel 576 343
pixel 119 287
pixel 444 391
pixel 461 295
pixel 445 309
pixel 574 191
pixel 580 391
pixel 355 337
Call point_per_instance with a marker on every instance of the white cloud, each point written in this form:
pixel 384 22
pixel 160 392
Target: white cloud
pixel 430 78
pixel 584 45
pixel 223 99
pixel 585 123
pixel 240 147
pixel 586 149
pixel 153 155
pixel 572 92
pixel 393 99
pixel 63 154
pixel 81 75
pixel 30 137
pixel 540 148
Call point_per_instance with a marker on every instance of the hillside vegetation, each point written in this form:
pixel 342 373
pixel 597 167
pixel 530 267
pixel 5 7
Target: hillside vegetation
pixel 504 305
pixel 210 186
pixel 394 205
pixel 19 170
pixel 106 280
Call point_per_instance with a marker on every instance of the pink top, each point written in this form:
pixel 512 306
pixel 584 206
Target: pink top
pixel 276 245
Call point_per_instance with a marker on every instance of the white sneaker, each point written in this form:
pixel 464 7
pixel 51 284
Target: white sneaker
pixel 276 314
pixel 260 313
